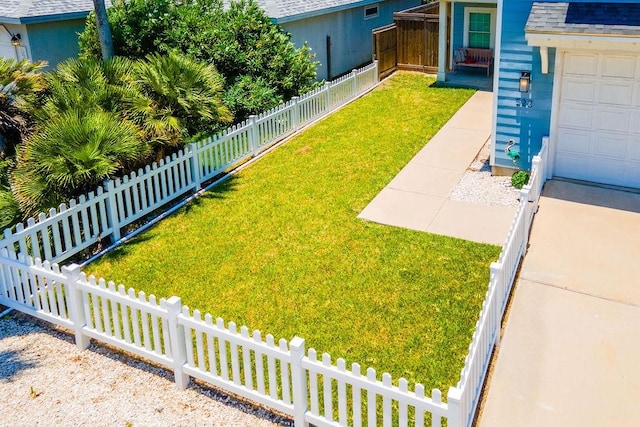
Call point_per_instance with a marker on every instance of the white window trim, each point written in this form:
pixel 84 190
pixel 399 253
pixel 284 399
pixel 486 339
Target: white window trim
pixel 467 13
pixel 371 6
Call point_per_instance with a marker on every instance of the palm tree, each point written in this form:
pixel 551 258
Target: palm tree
pixel 71 155
pixel 20 84
pixel 180 98
pixel 89 84
pixel 104 31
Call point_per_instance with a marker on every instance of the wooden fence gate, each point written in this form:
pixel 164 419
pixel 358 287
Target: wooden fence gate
pixel 410 43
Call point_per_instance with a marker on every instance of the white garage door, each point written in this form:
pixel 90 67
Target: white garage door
pixel 599 119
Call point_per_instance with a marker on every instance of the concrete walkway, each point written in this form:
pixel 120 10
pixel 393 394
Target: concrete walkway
pixel 418 197
pixel 570 354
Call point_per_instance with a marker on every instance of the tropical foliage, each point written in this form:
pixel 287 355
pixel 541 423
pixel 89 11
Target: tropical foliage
pixel 20 86
pixel 99 119
pixel 73 153
pixel 260 65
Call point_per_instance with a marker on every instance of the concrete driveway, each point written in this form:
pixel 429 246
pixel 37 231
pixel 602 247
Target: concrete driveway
pixel 570 354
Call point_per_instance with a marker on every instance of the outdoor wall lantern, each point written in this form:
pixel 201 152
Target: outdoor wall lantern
pixel 16 40
pixel 525 81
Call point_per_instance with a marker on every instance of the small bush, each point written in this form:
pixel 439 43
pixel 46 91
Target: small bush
pixel 520 179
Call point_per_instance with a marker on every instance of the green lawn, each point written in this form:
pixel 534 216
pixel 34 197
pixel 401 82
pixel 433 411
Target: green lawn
pixel 279 248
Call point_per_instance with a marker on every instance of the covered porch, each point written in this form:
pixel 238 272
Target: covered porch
pixel 467 27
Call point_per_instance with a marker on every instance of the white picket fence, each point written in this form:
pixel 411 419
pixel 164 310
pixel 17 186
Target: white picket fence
pixel 281 375
pixel 466 395
pixel 103 214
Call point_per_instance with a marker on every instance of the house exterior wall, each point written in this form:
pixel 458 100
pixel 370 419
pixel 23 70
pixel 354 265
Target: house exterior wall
pixel 55 41
pixel 527 126
pixel 350 32
pixel 7 50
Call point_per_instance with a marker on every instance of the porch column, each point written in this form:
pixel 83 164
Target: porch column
pixel 442 42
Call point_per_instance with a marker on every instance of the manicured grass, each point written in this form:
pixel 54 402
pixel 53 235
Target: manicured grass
pixel 279 247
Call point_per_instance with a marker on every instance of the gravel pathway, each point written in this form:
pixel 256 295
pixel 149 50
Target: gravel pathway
pixel 477 185
pixel 46 381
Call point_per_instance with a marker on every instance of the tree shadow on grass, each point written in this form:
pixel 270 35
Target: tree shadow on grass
pixel 228 184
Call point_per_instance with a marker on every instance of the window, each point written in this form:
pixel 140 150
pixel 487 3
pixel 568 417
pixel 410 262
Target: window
pixel 371 12
pixel 479 27
pixel 480 30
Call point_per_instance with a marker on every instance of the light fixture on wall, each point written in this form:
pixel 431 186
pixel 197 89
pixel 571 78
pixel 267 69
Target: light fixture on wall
pixel 16 40
pixel 525 81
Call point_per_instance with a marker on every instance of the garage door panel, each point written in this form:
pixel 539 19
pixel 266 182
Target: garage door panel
pixel 607 145
pixel 632 175
pixel 635 121
pixel 598 133
pixel 619 66
pixel 577 116
pixel 572 141
pixel 619 93
pixel 579 90
pixel 613 120
pixel 581 64
pixel 633 150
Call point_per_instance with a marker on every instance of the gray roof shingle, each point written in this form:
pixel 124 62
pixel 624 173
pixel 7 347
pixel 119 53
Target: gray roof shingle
pixel 279 9
pixel 578 18
pixel 33 9
pixel 276 9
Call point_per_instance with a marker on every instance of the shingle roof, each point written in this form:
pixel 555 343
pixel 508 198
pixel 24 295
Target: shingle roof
pixel 44 10
pixel 620 19
pixel 279 9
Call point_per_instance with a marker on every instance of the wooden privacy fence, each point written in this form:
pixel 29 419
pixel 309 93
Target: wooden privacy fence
pixel 283 375
pixel 105 212
pixel 410 43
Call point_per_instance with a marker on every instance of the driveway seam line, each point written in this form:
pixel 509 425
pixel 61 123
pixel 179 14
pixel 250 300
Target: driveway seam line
pixel 580 292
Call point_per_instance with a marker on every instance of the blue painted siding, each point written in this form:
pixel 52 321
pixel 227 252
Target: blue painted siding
pixel 351 35
pixel 527 126
pixel 55 41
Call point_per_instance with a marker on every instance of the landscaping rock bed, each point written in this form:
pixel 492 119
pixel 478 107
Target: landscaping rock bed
pixel 477 185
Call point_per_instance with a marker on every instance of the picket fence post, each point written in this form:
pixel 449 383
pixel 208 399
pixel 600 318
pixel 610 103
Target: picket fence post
pixel 376 76
pixel 112 210
pixel 295 112
pixel 196 168
pixel 253 136
pixel 327 88
pixel 496 277
pixel 455 415
pixel 354 76
pixel 178 342
pixel 76 310
pixel 299 380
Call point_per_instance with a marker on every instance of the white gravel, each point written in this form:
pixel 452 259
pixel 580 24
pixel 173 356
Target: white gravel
pixel 46 381
pixel 477 185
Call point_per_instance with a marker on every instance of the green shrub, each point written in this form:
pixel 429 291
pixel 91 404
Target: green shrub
pixel 520 179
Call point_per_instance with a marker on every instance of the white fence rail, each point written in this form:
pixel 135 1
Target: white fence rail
pixel 280 375
pixel 464 398
pixel 103 214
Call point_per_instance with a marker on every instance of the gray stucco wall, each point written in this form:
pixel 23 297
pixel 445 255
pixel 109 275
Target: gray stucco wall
pixel 350 32
pixel 55 41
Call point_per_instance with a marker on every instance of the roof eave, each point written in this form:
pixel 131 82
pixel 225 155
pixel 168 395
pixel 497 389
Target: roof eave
pixel 325 11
